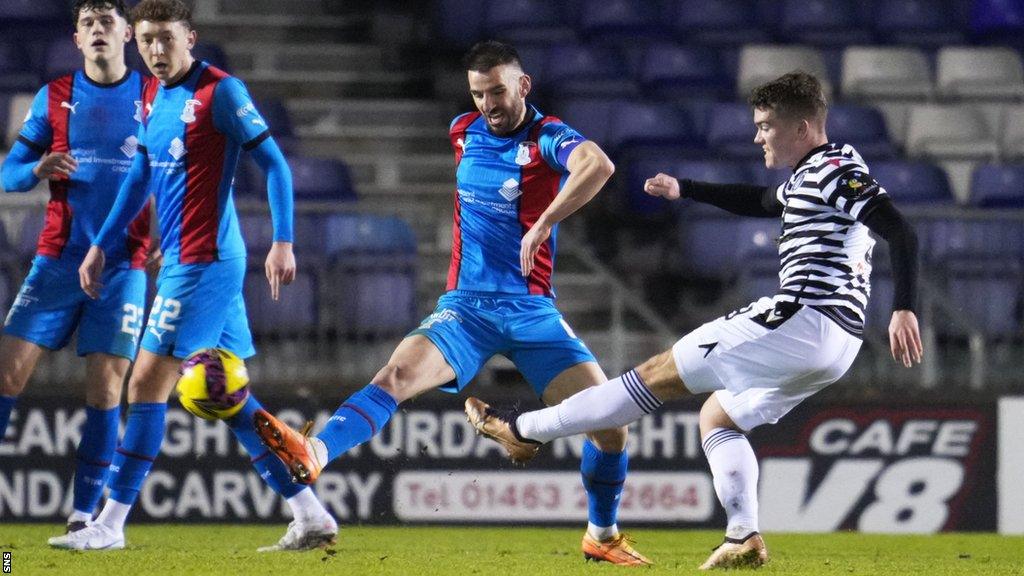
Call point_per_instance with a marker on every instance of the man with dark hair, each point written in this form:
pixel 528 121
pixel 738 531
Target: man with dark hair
pixel 79 136
pixel 196 119
pixel 765 358
pixel 518 174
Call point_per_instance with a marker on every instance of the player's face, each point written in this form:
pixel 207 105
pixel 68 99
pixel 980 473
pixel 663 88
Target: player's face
pixel 166 47
pixel 779 137
pixel 500 95
pixel 101 34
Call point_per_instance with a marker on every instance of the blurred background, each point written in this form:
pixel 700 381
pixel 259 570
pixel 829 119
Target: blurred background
pixel 360 94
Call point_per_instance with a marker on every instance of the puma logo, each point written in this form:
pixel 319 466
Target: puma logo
pixel 70 106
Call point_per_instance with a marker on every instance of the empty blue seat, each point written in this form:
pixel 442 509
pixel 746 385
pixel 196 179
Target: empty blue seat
pixel 921 22
pixel 258 232
pixel 822 22
pixel 718 22
pixel 16 73
pixel 32 10
pixel 355 234
pixel 948 238
pixel 668 71
pixel 863 128
pixel 732 131
pixel 650 126
pixel 998 21
pixel 587 71
pixel 378 302
pixel 526 21
pixel 212 54
pixel 591 117
pixel 619 20
pixel 913 182
pixel 987 294
pixel 62 57
pixel 998 186
pixel 708 246
pixel 321 179
pixel 460 22
pixel 295 313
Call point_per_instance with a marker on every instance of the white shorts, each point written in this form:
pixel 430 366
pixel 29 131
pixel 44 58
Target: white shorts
pixel 764 359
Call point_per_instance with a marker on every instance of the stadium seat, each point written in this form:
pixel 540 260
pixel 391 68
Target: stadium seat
pixel 526 21
pixel 321 179
pixel 591 117
pixel 278 120
pixel 708 245
pixel 913 182
pixel 718 22
pixel 760 63
pixel 998 186
pixel 862 127
pixel 460 22
pixel 32 10
pixel 16 73
pixel 354 234
pixel 731 131
pixel 614 20
pixel 997 22
pixel 1012 137
pixel 574 70
pixel 949 131
pixel 671 71
pixel 650 127
pixel 295 313
pixel 945 239
pixel 62 57
pixel 919 22
pixel 987 295
pixel 885 73
pixel 822 23
pixel 258 232
pixel 979 73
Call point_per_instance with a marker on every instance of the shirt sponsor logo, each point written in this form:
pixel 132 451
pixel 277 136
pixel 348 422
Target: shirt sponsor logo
pixel 510 190
pixel 130 146
pixel 177 149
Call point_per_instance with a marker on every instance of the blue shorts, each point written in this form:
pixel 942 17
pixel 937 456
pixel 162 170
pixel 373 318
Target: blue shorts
pixel 470 327
pixel 51 304
pixel 199 306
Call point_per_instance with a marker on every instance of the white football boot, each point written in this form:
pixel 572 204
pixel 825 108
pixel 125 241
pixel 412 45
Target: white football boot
pixel 94 536
pixel 306 535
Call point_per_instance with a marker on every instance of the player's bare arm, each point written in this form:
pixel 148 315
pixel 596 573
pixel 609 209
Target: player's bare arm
pixel 589 170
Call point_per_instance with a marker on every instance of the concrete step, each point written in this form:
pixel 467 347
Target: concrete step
pixel 371 113
pixel 393 172
pixel 249 57
pixel 337 84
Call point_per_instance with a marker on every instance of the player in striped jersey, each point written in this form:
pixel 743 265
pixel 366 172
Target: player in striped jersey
pixel 196 119
pixel 518 174
pixel 764 359
pixel 79 136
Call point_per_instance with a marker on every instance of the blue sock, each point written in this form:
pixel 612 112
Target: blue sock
pixel 6 405
pixel 272 470
pixel 132 460
pixel 99 438
pixel 603 477
pixel 357 420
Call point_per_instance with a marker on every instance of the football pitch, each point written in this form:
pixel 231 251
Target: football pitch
pixel 230 549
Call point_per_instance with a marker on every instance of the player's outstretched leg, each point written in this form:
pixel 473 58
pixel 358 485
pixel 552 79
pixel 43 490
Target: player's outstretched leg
pixel 500 425
pixel 735 472
pixel 357 420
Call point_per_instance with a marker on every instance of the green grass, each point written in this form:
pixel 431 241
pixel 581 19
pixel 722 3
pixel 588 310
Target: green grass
pixel 230 549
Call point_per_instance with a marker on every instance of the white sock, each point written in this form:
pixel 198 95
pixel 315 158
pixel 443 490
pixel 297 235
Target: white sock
pixel 615 403
pixel 601 533
pixel 320 451
pixel 79 516
pixel 734 470
pixel 306 506
pixel 114 514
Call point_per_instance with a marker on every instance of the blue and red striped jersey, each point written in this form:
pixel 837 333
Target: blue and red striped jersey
pixel 503 185
pixel 97 124
pixel 192 133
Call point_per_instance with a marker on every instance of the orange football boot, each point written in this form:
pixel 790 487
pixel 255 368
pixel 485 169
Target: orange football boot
pixel 617 550
pixel 291 447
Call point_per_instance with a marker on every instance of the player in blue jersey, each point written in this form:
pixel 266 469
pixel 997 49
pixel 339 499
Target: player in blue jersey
pixel 195 122
pixel 519 173
pixel 79 136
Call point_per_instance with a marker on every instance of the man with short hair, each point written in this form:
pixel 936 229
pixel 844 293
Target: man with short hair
pixel 763 359
pixel 518 174
pixel 79 136
pixel 196 120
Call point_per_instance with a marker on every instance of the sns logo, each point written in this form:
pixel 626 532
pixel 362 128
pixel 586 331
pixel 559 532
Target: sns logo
pixel 188 114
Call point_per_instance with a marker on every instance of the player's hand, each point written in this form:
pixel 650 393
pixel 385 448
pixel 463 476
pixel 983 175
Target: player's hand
pixel 662 185
pixel 905 338
pixel 532 241
pixel 55 166
pixel 154 261
pixel 91 270
pixel 280 267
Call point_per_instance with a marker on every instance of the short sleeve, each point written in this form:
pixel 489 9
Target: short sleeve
pixel 852 190
pixel 36 132
pixel 236 116
pixel 556 142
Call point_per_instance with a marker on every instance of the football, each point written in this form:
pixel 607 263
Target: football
pixel 213 384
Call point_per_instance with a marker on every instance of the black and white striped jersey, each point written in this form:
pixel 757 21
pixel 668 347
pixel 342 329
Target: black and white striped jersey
pixel 825 249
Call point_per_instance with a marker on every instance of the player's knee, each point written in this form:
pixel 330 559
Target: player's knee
pixel 661 376
pixel 611 441
pixel 712 416
pixel 396 380
pixel 104 396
